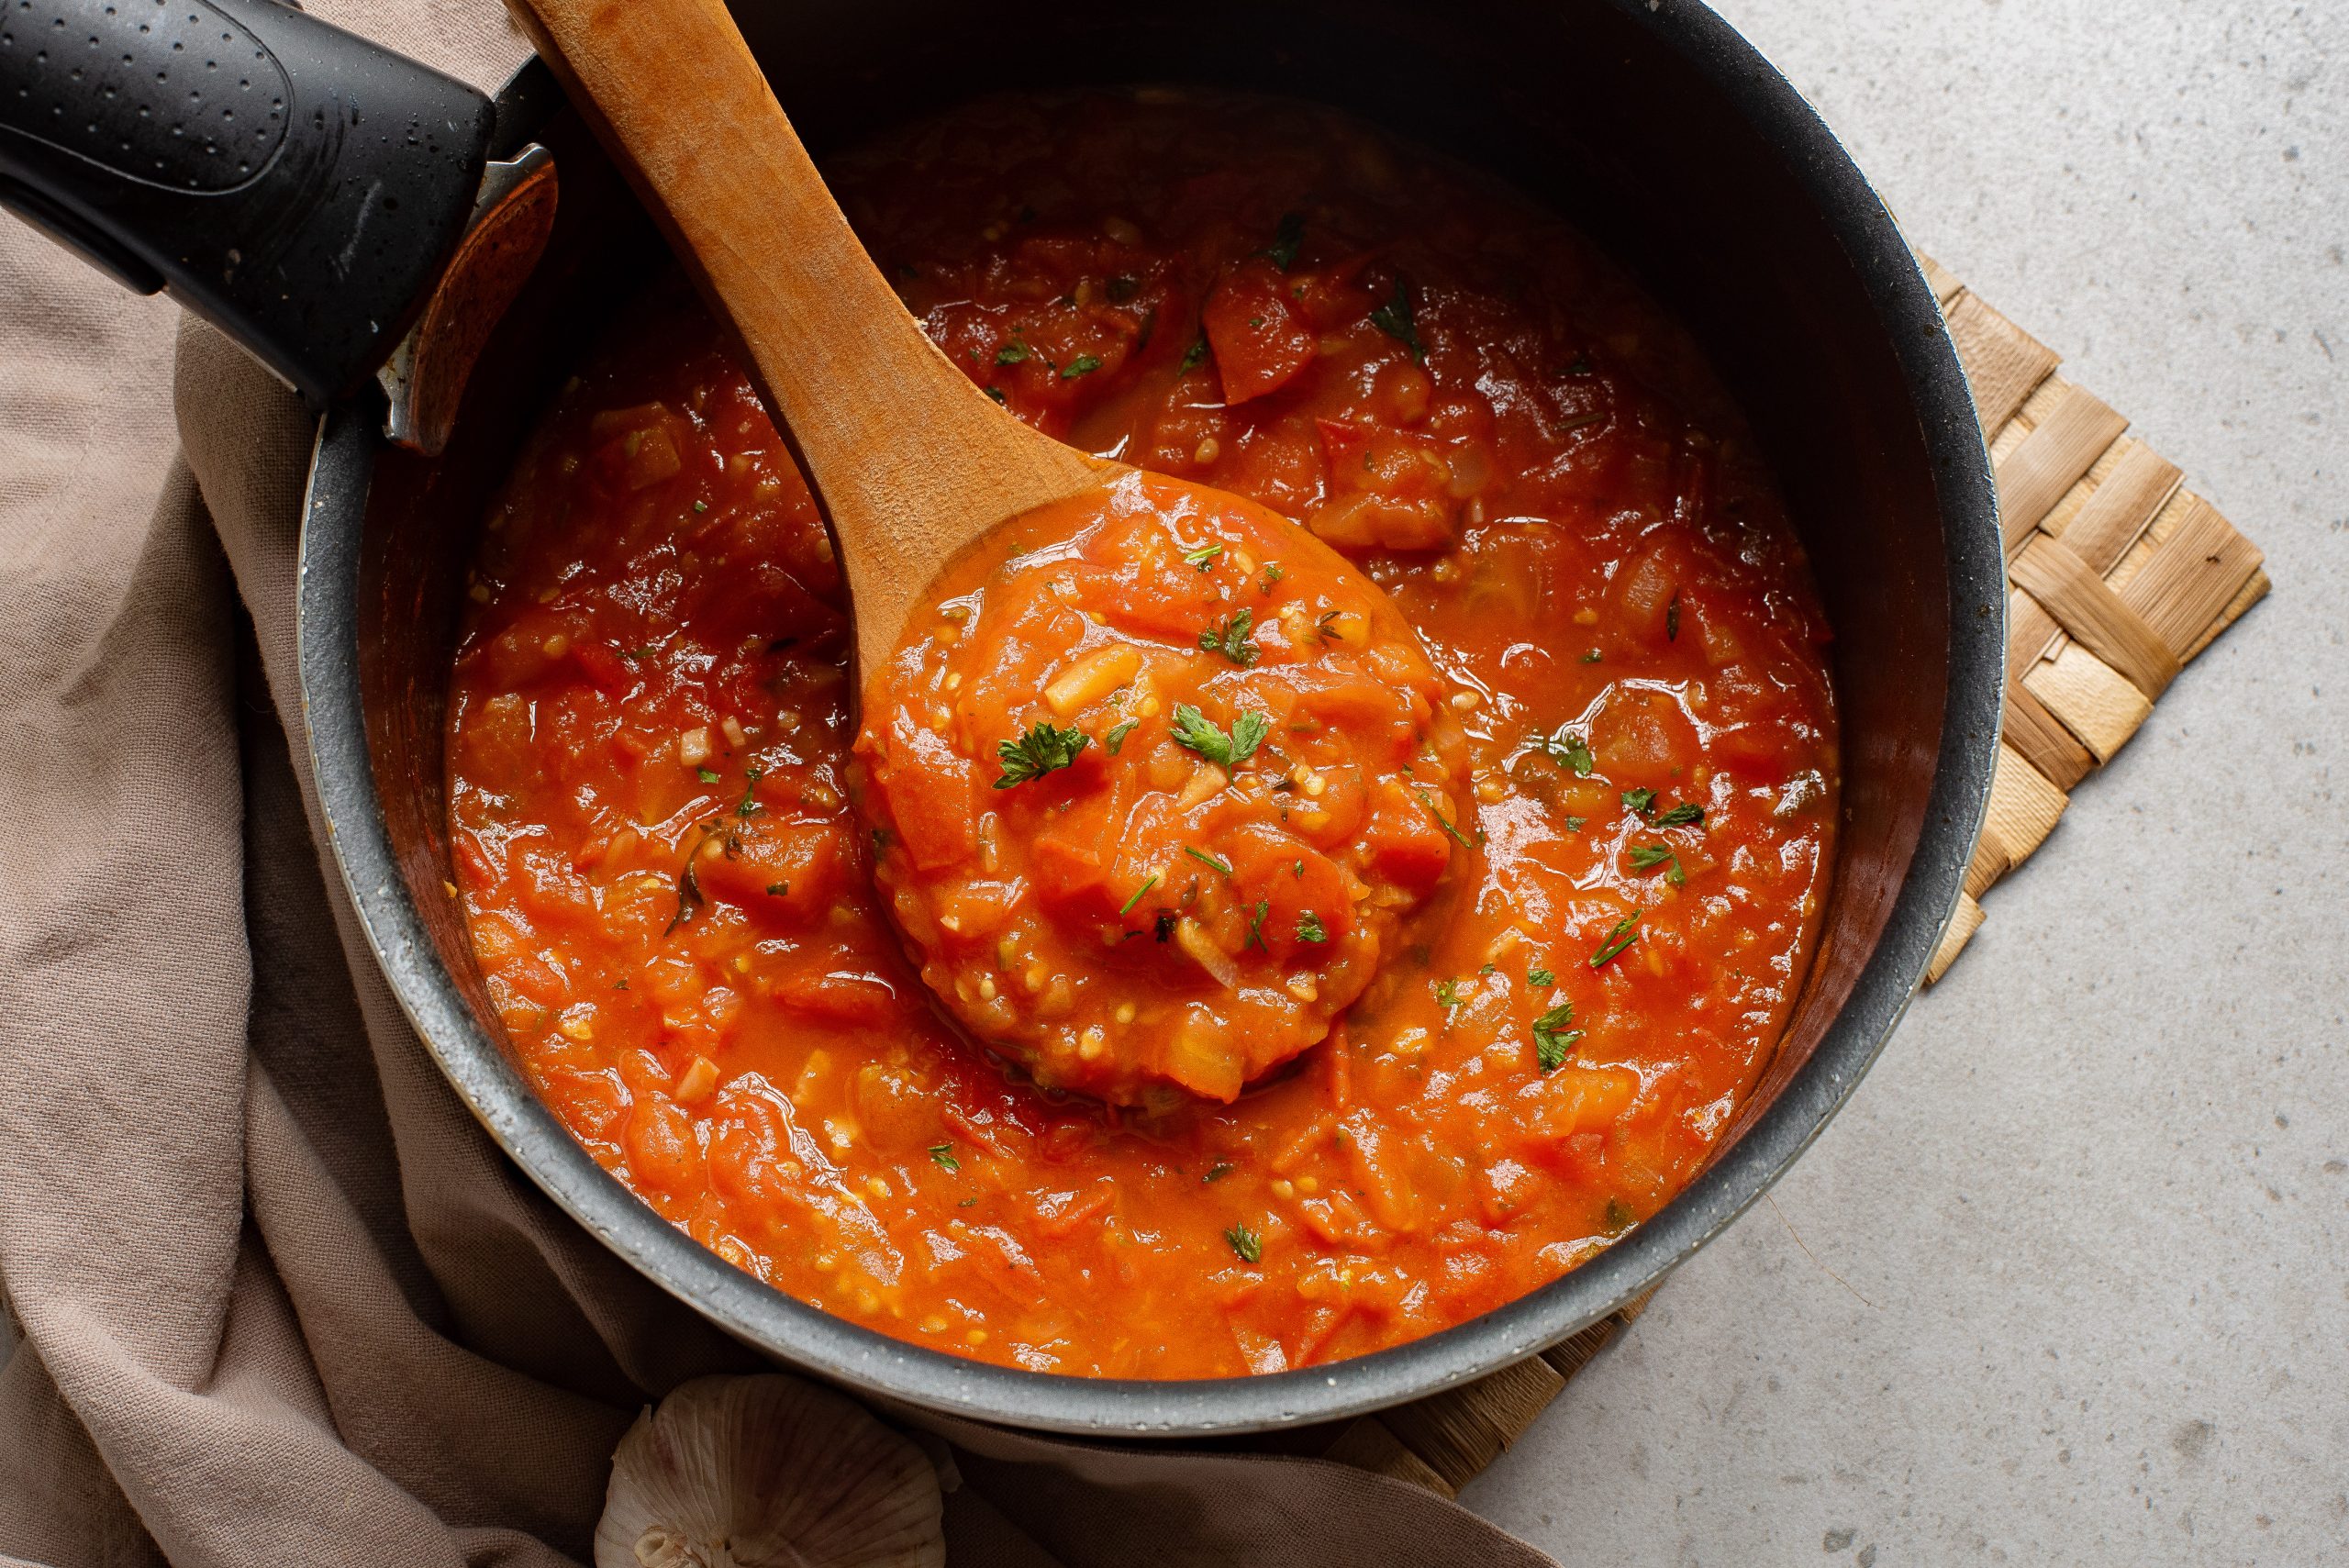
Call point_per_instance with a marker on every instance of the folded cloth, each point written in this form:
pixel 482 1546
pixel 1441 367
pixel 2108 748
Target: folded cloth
pixel 281 1300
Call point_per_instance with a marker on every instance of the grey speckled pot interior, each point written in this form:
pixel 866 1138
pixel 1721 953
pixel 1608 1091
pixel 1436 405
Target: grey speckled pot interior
pixel 1651 124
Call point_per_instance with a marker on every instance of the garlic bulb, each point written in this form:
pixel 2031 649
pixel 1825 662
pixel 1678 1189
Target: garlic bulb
pixel 747 1472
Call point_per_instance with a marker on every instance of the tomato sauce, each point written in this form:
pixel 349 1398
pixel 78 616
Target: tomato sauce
pixel 671 900
pixel 1222 777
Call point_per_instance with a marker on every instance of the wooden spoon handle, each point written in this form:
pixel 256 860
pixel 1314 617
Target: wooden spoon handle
pixel 909 458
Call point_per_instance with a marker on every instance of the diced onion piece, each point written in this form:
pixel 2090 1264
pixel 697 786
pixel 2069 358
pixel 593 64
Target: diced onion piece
pixel 1201 1060
pixel 1193 938
pixel 1091 678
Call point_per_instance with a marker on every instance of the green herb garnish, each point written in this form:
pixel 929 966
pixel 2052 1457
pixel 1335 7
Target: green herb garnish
pixel 1453 833
pixel 1592 656
pixel 1205 859
pixel 1203 557
pixel 1246 1244
pixel 1287 236
pixel 1687 813
pixel 1013 353
pixel 1257 925
pixel 1084 364
pixel 1540 977
pixel 1195 356
pixel 1400 322
pixel 708 775
pixel 1622 935
pixel 943 1153
pixel 1573 824
pixel 1117 735
pixel 1217 1171
pixel 1619 1217
pixel 1645 857
pixel 1192 730
pixel 1040 751
pixel 1311 929
pixel 1230 637
pixel 1447 993
pixel 1554 1037
pixel 1273 574
pixel 750 806
pixel 1570 749
pixel 1128 907
pixel 1642 801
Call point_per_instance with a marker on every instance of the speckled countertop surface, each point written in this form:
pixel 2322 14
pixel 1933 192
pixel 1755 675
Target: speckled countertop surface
pixel 2087 1221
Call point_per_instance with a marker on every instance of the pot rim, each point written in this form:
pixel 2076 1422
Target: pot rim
pixel 1906 310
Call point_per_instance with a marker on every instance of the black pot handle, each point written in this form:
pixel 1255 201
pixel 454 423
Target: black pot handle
pixel 294 185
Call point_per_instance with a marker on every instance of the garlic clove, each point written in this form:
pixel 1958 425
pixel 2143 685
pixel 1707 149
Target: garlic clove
pixel 748 1472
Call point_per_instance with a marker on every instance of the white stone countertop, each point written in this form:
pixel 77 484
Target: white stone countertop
pixel 2072 1281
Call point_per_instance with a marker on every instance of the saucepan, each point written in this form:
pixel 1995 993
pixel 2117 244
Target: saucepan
pixel 422 262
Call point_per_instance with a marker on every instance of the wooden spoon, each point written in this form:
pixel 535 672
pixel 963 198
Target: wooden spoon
pixel 910 460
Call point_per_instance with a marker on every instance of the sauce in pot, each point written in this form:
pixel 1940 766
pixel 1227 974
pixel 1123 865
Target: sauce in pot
pixel 673 901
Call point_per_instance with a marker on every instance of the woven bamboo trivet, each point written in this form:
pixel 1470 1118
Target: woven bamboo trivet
pixel 2118 575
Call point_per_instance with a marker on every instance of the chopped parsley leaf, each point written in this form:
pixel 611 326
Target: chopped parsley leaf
pixel 1084 364
pixel 1203 557
pixel 945 1154
pixel 1309 928
pixel 1117 735
pixel 1570 749
pixel 1014 353
pixel 1040 751
pixel 1645 857
pixel 750 806
pixel 778 889
pixel 1447 993
pixel 1257 925
pixel 1287 235
pixel 1217 1171
pixel 708 775
pixel 1245 1243
pixel 701 505
pixel 1273 574
pixel 994 392
pixel 1230 637
pixel 1400 322
pixel 1193 729
pixel 1540 977
pixel 1554 1037
pixel 1687 813
pixel 1640 800
pixel 1622 935
pixel 1195 356
pixel 1452 832
pixel 1573 824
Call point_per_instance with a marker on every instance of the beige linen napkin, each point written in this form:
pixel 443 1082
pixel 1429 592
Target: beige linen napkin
pixel 283 1300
